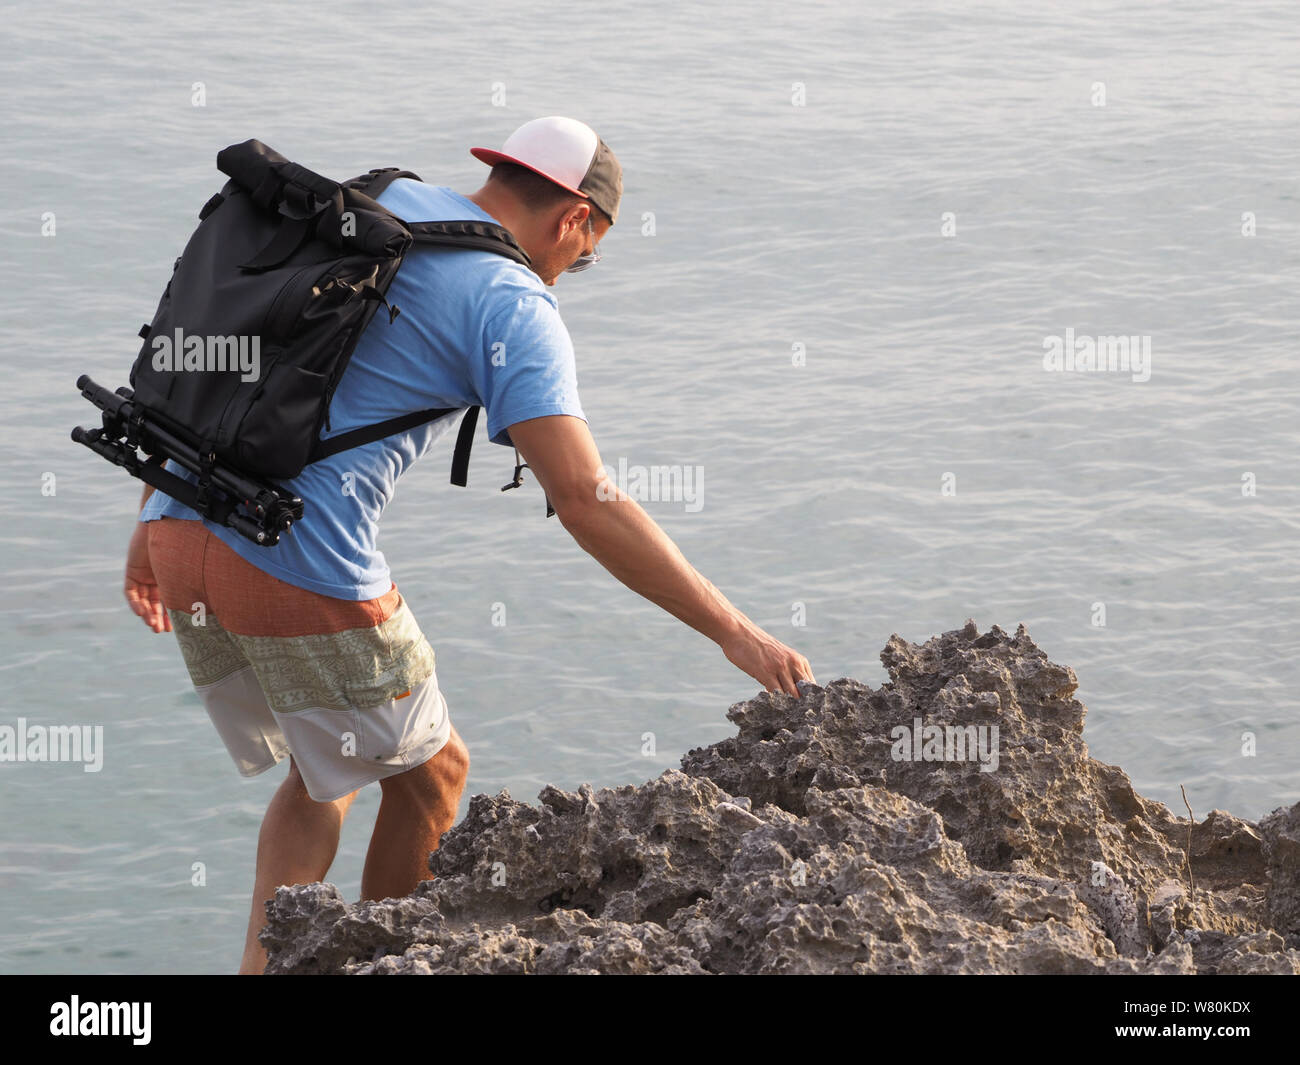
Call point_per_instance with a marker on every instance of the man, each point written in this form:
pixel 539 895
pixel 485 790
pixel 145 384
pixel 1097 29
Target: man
pixel 307 648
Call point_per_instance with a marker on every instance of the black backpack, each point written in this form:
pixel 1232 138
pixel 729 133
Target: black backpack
pixel 254 331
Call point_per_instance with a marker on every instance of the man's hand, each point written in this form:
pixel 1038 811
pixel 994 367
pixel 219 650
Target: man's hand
pixel 623 538
pixel 766 659
pixel 140 587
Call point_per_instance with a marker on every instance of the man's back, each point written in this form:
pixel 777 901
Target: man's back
pixel 474 329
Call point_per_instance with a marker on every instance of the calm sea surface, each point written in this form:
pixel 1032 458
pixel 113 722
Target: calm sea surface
pixel 779 304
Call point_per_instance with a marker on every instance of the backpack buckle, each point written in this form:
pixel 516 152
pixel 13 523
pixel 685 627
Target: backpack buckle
pixel 518 478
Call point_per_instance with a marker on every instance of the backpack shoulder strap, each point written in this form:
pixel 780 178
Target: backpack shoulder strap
pixel 470 233
pixel 463 233
pixel 374 183
pixel 368 434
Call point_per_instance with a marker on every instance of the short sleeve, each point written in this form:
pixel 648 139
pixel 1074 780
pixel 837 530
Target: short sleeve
pixel 526 366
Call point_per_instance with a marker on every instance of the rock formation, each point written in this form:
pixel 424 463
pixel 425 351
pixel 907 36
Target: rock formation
pixel 951 821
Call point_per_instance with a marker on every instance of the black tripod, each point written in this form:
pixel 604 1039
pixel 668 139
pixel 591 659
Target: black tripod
pixel 259 510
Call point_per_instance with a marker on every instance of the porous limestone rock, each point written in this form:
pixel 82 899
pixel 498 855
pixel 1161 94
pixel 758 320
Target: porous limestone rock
pixel 949 822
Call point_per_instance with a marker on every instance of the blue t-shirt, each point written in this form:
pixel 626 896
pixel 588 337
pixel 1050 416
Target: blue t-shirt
pixel 475 329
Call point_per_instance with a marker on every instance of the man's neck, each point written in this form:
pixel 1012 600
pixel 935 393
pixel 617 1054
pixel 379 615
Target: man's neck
pixel 497 206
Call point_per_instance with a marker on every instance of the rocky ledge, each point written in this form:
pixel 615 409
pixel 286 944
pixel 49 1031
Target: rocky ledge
pixel 951 821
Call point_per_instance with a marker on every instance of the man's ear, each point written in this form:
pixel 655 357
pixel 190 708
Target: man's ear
pixel 576 216
pixel 560 223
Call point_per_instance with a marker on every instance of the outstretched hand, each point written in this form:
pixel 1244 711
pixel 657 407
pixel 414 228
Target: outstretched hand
pixel 769 661
pixel 140 587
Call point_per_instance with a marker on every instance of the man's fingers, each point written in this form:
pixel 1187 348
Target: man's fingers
pixel 783 682
pixel 147 605
pixel 135 601
pixel 780 684
pixel 797 672
pixel 802 669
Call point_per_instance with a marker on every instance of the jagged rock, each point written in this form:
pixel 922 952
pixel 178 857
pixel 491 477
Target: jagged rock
pixel 1281 846
pixel 1120 913
pixel 1258 953
pixel 951 821
pixel 312 930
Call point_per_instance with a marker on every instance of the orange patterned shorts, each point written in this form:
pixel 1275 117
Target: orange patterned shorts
pixel 348 688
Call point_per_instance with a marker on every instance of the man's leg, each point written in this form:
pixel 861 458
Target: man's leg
pixel 418 806
pixel 297 844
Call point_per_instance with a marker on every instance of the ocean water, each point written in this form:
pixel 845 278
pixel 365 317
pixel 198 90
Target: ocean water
pixel 847 234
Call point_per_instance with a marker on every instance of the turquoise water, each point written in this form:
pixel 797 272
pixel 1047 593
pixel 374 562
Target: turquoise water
pixel 776 224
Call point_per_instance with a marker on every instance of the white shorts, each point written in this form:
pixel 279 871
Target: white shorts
pixel 337 751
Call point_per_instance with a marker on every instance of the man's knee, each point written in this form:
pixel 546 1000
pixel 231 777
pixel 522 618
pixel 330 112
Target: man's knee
pixel 457 755
pixel 440 779
pixel 450 766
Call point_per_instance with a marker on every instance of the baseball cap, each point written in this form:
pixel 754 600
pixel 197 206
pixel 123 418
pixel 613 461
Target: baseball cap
pixel 568 153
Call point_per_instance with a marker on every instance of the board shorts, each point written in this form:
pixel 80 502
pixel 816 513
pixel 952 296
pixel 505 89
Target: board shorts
pixel 347 687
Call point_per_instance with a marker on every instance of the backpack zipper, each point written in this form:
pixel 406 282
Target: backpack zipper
pixel 288 296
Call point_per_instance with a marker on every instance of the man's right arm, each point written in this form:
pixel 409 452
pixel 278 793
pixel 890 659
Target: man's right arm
pixel 624 539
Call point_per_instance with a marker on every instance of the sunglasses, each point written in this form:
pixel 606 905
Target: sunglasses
pixel 583 262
